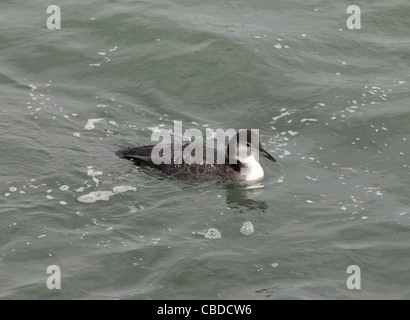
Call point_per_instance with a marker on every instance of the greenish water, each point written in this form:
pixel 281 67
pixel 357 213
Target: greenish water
pixel 331 104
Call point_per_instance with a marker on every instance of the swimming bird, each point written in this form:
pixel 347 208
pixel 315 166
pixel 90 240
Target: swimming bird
pixel 239 165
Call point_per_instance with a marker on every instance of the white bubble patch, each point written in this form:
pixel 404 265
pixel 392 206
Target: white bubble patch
pixel 91 123
pixel 122 189
pixel 94 174
pixel 104 195
pixel 96 196
pixel 247 228
pixel 213 234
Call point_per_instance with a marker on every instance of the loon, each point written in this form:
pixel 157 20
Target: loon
pixel 239 166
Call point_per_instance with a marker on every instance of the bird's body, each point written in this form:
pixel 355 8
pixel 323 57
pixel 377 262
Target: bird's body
pixel 241 169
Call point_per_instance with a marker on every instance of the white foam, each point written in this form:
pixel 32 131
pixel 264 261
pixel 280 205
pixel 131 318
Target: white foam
pixel 91 123
pixel 285 153
pixel 122 189
pixel 282 115
pixel 247 228
pixel 92 173
pixel 213 234
pixel 95 196
pixel 292 133
pixel 64 188
pixel 104 195
pixel 310 119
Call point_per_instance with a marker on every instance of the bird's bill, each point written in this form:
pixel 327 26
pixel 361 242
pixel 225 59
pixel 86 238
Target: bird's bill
pixel 264 153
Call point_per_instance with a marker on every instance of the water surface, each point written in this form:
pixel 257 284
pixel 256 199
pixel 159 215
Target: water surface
pixel 331 104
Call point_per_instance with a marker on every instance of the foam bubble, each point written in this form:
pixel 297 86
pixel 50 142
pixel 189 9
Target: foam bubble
pixel 92 173
pixel 292 133
pixel 91 123
pixel 122 189
pixel 247 228
pixel 281 115
pixel 95 196
pixel 310 119
pixel 213 234
pixel 64 188
pixel 104 195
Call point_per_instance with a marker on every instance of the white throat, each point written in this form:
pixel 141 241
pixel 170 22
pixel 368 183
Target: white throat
pixel 251 168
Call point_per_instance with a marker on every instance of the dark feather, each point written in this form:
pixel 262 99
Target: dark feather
pixel 195 172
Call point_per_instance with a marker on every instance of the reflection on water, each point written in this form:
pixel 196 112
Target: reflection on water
pixel 239 197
